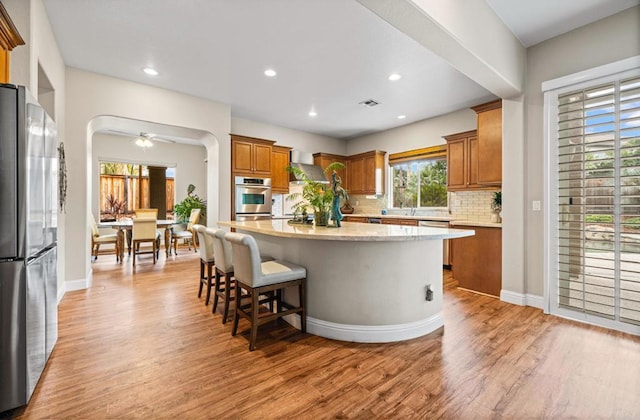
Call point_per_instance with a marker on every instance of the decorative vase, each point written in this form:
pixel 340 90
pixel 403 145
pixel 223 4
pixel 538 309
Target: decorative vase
pixel 321 218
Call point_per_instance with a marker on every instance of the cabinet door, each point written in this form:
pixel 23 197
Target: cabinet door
pixel 355 174
pixel 456 164
pixel 242 157
pixel 490 147
pixel 4 65
pixel 472 153
pixel 262 159
pixel 279 174
pixel 369 175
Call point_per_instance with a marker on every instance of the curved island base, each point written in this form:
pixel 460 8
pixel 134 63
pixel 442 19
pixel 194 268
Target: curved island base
pixel 365 283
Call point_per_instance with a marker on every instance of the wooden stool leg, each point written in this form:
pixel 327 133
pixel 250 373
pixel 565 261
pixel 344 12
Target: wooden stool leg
pixel 254 319
pixel 303 312
pixel 201 277
pixel 209 266
pixel 227 297
pixel 216 290
pixel 236 317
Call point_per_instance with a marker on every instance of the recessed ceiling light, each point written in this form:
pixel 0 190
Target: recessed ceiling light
pixel 402 117
pixel 394 76
pixel 270 73
pixel 150 71
pixel 312 113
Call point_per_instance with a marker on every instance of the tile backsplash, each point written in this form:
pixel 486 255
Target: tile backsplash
pixel 465 205
pixel 471 205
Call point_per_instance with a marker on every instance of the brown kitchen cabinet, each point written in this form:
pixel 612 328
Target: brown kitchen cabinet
pixel 365 173
pixel 355 219
pixel 477 260
pixel 325 159
pixel 9 39
pixel 462 161
pixel 280 157
pixel 489 143
pixel 398 221
pixel 251 156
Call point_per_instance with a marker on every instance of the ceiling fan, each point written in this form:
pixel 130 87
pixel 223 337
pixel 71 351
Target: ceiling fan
pixel 143 139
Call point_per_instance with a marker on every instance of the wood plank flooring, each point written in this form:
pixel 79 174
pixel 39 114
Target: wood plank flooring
pixel 144 346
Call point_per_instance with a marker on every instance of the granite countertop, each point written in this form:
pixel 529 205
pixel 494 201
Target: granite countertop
pixel 348 231
pixel 401 216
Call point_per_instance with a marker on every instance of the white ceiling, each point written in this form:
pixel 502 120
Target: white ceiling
pixel 330 55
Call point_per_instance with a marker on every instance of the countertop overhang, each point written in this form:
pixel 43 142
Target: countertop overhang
pixel 348 232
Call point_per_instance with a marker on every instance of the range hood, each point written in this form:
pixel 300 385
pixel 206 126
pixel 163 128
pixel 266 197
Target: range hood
pixel 304 162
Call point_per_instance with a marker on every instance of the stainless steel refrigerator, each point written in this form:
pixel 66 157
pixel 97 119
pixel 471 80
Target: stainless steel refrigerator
pixel 28 258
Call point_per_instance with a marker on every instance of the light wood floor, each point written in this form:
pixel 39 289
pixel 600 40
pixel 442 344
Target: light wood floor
pixel 145 346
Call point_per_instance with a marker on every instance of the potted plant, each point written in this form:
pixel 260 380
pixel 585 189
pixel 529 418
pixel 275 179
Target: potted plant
pixel 182 210
pixel 316 195
pixel 496 207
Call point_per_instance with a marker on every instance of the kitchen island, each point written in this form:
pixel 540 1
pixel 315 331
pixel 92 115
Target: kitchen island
pixel 365 282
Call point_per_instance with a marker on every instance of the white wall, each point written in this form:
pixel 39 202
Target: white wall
pixel 91 95
pixel 417 135
pixel 187 159
pixel 300 140
pixel 32 23
pixel 602 42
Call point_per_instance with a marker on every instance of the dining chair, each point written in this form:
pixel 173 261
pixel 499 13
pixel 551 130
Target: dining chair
pixel 206 260
pixel 146 213
pixel 97 239
pixel 188 235
pixel 144 230
pixel 258 278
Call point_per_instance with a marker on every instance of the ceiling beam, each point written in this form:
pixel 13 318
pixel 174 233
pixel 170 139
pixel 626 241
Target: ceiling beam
pixel 467 34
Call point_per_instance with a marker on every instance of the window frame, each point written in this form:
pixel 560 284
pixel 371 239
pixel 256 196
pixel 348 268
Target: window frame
pixel 552 89
pixel 434 153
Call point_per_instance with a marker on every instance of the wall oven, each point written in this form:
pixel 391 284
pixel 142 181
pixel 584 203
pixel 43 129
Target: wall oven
pixel 252 198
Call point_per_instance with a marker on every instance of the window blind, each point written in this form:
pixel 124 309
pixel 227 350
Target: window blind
pixel 599 200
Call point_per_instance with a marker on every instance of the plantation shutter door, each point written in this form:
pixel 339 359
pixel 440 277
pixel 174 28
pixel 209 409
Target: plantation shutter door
pixel 598 236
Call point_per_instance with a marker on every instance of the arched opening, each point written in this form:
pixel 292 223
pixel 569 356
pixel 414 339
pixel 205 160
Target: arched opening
pixel 188 136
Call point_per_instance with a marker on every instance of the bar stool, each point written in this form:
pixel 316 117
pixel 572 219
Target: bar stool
pixel 206 259
pixel 262 278
pixel 224 270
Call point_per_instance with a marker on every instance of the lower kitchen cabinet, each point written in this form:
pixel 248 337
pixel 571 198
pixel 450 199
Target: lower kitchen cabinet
pixel 356 219
pixel 477 260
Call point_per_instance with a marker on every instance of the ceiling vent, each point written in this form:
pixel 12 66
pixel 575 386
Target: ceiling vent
pixel 369 103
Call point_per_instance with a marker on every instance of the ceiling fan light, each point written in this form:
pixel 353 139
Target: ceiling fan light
pixel 143 142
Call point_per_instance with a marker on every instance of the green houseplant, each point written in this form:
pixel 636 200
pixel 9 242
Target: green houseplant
pixel 496 206
pixel 182 210
pixel 316 195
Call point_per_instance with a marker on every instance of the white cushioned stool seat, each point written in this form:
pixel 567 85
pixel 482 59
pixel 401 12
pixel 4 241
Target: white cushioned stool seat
pixel 277 271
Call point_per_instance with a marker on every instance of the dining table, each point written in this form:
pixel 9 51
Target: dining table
pixel 125 227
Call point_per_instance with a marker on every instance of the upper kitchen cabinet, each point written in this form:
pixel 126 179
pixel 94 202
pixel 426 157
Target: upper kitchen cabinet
pixel 280 157
pixel 365 173
pixel 489 143
pixel 251 156
pixel 325 159
pixel 462 161
pixel 9 39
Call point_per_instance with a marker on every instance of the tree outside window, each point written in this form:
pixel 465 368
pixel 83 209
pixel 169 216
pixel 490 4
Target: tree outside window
pixel 420 183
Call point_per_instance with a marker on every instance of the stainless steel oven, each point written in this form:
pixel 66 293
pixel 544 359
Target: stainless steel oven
pixel 253 198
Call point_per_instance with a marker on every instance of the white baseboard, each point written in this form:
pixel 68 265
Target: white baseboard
pixel 522 299
pixel 369 333
pixel 71 285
